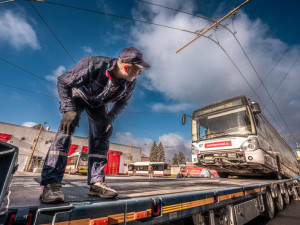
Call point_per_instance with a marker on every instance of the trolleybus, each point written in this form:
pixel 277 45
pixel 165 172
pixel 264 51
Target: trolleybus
pixel 141 168
pixel 235 138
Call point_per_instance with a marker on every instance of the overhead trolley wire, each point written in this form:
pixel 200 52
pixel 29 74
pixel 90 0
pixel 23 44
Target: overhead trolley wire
pixel 114 15
pixel 52 32
pixel 23 89
pixel 27 71
pixel 233 33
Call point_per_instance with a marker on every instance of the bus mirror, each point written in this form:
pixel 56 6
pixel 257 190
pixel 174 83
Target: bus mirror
pixel 255 108
pixel 183 119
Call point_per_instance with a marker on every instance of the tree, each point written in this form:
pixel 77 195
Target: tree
pixel 161 153
pixel 175 160
pixel 154 153
pixel 181 158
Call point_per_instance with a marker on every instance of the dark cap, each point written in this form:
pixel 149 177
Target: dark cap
pixel 134 56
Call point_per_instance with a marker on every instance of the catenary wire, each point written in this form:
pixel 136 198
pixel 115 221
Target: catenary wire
pixel 51 31
pixel 233 33
pixel 23 89
pixel 27 71
pixel 118 16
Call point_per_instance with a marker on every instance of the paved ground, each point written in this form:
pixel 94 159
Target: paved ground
pixel 289 216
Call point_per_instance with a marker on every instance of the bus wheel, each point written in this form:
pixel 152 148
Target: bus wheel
pixel 188 175
pixel 286 197
pixel 223 175
pixel 212 176
pixel 269 212
pixel 279 200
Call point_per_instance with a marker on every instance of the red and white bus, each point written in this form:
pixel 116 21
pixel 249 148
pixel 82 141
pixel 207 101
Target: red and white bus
pixel 141 168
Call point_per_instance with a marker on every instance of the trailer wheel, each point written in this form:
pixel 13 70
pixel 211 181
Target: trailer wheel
pixel 223 174
pixel 279 200
pixel 269 212
pixel 286 197
pixel 295 193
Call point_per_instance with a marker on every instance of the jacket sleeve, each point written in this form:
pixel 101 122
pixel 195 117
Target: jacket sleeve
pixel 75 77
pixel 121 103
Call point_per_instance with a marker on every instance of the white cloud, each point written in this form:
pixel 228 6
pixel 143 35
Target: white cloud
pixel 128 138
pixel 16 30
pixel 159 107
pixel 29 124
pixel 87 49
pixel 173 143
pixel 55 73
pixel 53 78
pixel 202 73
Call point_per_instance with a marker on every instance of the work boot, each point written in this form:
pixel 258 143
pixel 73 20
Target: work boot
pixel 103 190
pixel 52 193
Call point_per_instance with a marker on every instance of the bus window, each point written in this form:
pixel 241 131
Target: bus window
pixel 130 167
pixel 160 167
pixel 167 167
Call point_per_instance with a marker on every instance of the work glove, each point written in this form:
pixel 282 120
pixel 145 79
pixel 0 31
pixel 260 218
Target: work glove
pixel 68 122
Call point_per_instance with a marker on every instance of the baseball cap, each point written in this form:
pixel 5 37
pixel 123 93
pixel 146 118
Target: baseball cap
pixel 134 56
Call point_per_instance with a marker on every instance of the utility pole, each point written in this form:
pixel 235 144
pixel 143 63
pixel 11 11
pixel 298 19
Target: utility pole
pixel 33 149
pixel 214 25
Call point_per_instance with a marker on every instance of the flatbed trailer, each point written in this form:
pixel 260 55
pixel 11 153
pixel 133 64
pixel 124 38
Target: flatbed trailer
pixel 148 201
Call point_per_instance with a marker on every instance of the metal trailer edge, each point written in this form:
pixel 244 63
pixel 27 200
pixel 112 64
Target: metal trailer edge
pixel 234 205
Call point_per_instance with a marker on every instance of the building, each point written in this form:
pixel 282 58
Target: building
pixel 25 137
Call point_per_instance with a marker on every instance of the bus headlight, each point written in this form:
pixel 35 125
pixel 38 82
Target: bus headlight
pixel 250 144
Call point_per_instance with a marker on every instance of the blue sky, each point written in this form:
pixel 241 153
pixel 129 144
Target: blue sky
pixel 176 83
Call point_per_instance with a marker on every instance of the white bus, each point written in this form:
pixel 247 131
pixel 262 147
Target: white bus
pixel 77 163
pixel 141 168
pixel 234 138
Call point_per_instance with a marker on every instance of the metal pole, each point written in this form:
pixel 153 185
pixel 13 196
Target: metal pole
pixel 33 149
pixel 215 24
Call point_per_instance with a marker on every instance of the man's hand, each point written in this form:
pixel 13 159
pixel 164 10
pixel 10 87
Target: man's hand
pixel 68 122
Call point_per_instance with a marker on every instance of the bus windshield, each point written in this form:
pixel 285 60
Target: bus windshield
pixel 233 122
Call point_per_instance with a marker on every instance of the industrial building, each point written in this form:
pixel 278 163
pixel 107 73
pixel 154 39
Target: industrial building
pixel 39 139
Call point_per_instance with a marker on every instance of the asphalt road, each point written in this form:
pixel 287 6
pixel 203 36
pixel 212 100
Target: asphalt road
pixel 289 216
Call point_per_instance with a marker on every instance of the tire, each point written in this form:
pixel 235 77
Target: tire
pixel 269 212
pixel 69 171
pixel 223 174
pixel 212 176
pixel 188 175
pixel 295 193
pixel 279 200
pixel 286 197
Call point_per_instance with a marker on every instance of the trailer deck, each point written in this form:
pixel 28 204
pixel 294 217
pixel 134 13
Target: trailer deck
pixel 25 190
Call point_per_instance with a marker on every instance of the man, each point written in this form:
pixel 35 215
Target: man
pixel 90 85
pixel 150 171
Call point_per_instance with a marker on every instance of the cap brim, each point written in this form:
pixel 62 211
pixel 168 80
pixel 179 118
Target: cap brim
pixel 143 65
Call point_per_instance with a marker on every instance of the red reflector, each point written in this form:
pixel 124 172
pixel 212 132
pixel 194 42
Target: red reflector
pixel 140 215
pixel 232 196
pixel 243 153
pixel 11 219
pixel 29 218
pixel 100 221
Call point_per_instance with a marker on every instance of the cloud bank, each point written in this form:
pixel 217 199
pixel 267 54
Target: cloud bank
pixel 202 73
pixel 17 31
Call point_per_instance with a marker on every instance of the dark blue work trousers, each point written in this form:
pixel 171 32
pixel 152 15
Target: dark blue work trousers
pixel 56 159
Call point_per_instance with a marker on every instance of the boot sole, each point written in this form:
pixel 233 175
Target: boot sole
pixel 58 200
pixel 93 193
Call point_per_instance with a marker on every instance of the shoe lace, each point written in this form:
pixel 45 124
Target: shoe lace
pixel 104 184
pixel 56 187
